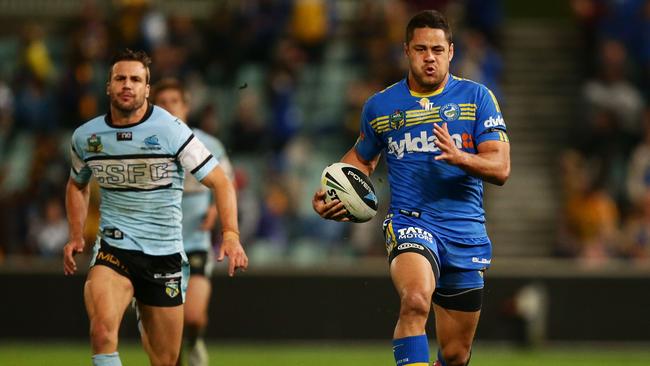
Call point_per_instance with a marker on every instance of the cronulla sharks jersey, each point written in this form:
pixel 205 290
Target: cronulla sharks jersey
pixel 140 169
pixel 400 122
pixel 197 198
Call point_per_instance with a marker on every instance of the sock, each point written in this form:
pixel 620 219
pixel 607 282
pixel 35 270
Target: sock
pixel 441 361
pixel 412 351
pixel 108 359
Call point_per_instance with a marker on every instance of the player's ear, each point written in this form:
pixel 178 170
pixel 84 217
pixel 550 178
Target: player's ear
pixel 108 84
pixel 147 89
pixel 406 49
pixel 451 51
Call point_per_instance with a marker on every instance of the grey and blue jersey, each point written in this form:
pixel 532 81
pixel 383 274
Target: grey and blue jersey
pixel 140 169
pixel 197 198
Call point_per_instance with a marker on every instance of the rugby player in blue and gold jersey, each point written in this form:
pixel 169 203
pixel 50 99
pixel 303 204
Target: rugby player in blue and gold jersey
pixel 138 153
pixel 442 136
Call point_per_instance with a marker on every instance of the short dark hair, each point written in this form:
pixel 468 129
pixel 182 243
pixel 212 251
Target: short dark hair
pixel 428 19
pixel 130 55
pixel 169 84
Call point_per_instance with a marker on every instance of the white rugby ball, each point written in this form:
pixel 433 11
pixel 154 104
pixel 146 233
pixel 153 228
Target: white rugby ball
pixel 352 187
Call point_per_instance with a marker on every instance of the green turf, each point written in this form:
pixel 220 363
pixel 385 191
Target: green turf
pixel 332 354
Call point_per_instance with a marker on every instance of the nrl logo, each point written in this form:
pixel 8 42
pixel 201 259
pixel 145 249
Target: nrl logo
pixel 94 144
pixel 397 120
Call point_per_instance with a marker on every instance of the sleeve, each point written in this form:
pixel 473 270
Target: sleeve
pixel 192 153
pixel 369 143
pixel 80 172
pixel 490 125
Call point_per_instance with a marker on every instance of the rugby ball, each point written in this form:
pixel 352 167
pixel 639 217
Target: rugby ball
pixel 352 187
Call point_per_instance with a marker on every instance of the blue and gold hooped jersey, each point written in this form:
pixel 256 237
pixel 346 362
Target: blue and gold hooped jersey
pixel 140 170
pixel 399 122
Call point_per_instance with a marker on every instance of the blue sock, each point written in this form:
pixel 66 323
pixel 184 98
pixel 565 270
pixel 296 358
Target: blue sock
pixel 441 360
pixel 108 359
pixel 411 351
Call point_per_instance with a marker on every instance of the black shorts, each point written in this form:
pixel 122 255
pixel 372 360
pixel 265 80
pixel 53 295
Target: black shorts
pixel 157 280
pixel 200 262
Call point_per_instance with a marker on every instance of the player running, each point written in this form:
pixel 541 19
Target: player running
pixel 442 136
pixel 138 153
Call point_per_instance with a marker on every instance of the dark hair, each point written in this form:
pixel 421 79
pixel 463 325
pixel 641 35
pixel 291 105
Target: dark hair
pixel 428 19
pixel 167 84
pixel 130 55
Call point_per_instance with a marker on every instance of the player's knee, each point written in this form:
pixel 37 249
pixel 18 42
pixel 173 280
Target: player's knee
pixel 415 304
pixel 103 337
pixel 456 355
pixel 195 320
pixel 169 358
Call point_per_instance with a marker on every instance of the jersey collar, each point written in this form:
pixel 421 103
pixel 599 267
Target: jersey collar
pixel 109 120
pixel 429 94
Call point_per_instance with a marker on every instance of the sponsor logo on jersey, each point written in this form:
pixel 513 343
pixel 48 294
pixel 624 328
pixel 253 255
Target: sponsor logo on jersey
pixel 124 136
pixel 423 143
pixel 450 112
pixel 412 232
pixel 397 120
pixel 494 122
pixel 94 144
pixel 151 143
pixel 425 104
pixel 172 288
pixel 409 246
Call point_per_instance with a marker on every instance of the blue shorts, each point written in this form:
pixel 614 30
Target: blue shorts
pixel 457 263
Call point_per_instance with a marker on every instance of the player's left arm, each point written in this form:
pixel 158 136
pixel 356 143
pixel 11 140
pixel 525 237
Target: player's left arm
pixel 491 163
pixel 226 200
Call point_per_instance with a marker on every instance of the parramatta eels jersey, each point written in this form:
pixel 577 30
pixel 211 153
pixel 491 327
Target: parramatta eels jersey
pixel 399 122
pixel 140 169
pixel 197 198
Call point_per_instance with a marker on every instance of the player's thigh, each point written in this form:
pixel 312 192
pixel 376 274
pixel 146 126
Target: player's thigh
pixel 455 328
pixel 197 298
pixel 412 272
pixel 106 295
pixel 163 326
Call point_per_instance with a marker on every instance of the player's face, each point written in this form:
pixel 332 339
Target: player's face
pixel 429 55
pixel 172 101
pixel 128 88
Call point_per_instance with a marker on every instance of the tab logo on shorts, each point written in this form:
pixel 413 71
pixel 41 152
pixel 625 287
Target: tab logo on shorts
pixel 172 288
pixel 414 233
pixel 409 246
pixel 481 260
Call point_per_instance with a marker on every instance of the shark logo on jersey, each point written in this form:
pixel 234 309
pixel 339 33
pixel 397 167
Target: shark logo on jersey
pixel 450 112
pixel 423 143
pixel 152 143
pixel 397 120
pixel 94 144
pixel 425 104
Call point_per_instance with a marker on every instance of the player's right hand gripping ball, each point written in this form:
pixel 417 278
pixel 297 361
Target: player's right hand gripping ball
pixel 352 187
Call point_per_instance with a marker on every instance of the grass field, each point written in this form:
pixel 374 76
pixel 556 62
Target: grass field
pixel 330 354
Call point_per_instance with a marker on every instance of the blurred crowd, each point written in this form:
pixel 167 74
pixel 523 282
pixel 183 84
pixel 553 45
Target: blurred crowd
pixel 280 82
pixel 606 170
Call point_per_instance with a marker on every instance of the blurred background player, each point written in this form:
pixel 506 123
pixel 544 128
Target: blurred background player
pixel 442 136
pixel 199 219
pixel 134 153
